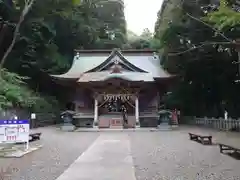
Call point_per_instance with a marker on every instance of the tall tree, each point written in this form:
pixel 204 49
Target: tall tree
pixel 49 33
pixel 196 51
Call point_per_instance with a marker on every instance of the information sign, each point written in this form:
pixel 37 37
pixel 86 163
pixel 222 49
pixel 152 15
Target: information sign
pixel 14 131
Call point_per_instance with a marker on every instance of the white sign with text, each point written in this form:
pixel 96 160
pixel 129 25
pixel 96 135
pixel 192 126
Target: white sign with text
pixel 13 131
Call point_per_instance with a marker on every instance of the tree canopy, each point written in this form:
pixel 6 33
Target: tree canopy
pixel 48 33
pixel 198 42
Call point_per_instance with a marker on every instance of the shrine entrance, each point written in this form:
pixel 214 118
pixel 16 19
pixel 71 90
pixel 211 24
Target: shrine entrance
pixel 110 97
pixel 116 109
pixel 114 103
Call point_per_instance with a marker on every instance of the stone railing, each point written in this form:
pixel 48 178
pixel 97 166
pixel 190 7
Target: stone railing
pixel 216 123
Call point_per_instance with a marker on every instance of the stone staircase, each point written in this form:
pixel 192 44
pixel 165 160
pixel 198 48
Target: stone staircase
pixel 103 122
pixel 115 121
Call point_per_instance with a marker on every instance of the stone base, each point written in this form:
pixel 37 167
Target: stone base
pixel 17 153
pixel 137 126
pixel 164 127
pixel 67 127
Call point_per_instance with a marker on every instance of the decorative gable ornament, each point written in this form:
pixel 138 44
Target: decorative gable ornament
pixel 116 68
pixel 116 61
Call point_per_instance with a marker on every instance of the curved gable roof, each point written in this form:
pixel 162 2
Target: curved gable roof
pixel 94 61
pixel 116 55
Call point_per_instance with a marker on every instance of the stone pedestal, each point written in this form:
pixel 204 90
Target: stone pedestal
pixel 137 125
pixel 68 127
pixel 164 127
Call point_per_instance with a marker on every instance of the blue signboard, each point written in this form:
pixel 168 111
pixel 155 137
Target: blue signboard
pixel 3 122
pixel 12 131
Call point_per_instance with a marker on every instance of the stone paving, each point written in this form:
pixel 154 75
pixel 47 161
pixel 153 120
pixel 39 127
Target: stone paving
pixel 170 155
pixel 59 151
pixel 108 158
pixel 163 155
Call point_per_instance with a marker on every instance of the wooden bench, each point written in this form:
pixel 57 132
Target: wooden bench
pixel 204 139
pixel 230 147
pixel 232 150
pixel 34 137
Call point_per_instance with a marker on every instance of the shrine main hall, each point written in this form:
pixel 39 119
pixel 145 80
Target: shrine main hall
pixel 101 82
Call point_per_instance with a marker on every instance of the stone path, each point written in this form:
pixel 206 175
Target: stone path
pixel 108 158
pixel 161 155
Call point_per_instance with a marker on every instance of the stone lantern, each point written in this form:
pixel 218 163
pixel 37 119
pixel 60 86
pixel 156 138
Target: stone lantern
pixel 67 117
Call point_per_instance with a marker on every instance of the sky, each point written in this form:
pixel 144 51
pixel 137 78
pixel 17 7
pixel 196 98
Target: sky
pixel 141 14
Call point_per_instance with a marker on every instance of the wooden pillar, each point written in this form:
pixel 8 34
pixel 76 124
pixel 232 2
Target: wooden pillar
pixel 137 110
pixel 158 101
pixel 95 112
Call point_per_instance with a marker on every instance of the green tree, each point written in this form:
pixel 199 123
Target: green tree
pixel 203 56
pixel 49 31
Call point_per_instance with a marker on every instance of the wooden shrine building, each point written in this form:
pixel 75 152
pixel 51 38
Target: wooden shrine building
pixel 103 82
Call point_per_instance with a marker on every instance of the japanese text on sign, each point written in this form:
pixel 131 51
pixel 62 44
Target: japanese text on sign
pixel 12 131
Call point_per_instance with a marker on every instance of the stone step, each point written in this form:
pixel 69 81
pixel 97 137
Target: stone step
pixel 116 127
pixel 103 123
pixel 109 122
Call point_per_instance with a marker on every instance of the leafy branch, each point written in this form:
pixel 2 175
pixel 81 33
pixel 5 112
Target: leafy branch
pixel 204 44
pixel 213 18
pixel 210 26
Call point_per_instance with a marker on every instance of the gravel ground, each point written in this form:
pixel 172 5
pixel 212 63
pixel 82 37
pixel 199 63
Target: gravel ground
pixel 170 155
pixel 165 155
pixel 60 149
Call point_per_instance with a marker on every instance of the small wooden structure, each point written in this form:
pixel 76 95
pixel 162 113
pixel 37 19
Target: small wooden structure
pixel 203 139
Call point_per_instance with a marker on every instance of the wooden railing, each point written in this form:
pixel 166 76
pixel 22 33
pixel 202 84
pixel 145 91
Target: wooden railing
pixel 217 123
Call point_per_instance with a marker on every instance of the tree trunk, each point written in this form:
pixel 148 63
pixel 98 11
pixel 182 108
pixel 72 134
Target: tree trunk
pixel 25 11
pixel 15 34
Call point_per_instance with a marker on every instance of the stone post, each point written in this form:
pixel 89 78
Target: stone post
pixel 137 110
pixel 95 123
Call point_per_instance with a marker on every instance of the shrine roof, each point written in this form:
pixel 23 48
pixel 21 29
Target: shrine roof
pixel 105 75
pixel 143 63
pixel 108 51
